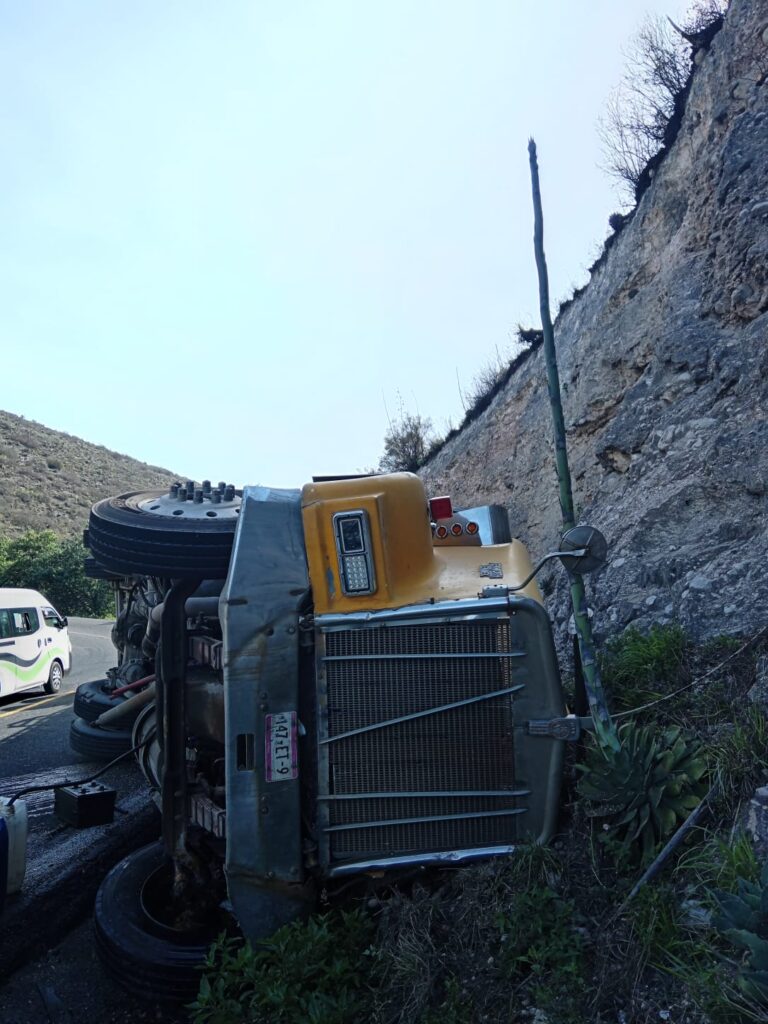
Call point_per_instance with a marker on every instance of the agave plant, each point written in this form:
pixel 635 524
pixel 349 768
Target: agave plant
pixel 743 920
pixel 644 789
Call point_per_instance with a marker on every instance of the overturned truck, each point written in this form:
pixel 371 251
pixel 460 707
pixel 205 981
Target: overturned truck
pixel 347 680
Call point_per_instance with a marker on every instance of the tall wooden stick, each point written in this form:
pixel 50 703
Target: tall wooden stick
pixel 605 730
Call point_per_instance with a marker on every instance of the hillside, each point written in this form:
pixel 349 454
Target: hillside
pixel 663 365
pixel 49 480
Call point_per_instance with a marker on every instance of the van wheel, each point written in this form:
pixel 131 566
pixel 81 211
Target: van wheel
pixel 156 963
pixel 54 678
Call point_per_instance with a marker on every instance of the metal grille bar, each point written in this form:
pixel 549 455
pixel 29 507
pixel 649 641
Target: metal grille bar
pixel 422 714
pixel 431 817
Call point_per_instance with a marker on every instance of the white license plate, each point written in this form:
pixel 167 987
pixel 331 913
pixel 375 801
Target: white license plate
pixel 282 760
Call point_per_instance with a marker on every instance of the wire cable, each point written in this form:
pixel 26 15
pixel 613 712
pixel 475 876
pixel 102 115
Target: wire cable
pixel 77 782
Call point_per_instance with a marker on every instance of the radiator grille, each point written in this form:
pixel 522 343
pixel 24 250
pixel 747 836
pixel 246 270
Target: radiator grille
pixel 376 674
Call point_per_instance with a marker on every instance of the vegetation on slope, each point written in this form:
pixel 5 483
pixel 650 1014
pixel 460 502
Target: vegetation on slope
pixel 49 480
pixel 39 560
pixel 549 935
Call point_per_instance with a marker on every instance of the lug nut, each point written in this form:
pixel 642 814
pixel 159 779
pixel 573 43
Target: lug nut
pixel 216 497
pixel 206 486
pixel 222 485
pixel 198 498
pixel 174 491
pixel 229 492
pixel 182 494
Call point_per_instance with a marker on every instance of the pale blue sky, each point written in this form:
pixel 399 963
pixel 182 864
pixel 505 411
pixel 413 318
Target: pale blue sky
pixel 231 232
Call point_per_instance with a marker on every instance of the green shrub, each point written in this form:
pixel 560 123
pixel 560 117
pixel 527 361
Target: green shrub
pixel 313 973
pixel 643 790
pixel 42 561
pixel 639 667
pixel 540 948
pixel 743 921
pixel 741 756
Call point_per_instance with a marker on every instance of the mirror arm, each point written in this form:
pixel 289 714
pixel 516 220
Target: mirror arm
pixel 579 553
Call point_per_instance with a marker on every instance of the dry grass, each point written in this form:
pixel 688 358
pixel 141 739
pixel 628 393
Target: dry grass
pixel 49 480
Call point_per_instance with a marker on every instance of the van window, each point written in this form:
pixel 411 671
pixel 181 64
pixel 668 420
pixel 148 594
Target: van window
pixel 51 617
pixel 25 620
pixel 5 624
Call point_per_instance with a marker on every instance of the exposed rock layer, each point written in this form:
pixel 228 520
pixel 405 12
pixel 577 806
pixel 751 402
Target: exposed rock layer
pixel 663 363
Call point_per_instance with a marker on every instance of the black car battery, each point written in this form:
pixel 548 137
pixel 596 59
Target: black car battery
pixel 85 805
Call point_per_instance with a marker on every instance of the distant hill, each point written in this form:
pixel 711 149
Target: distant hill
pixel 49 480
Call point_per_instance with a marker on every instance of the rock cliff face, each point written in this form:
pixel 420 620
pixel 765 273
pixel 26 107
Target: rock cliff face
pixel 664 369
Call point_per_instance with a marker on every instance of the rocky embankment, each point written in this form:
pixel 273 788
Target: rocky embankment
pixel 664 370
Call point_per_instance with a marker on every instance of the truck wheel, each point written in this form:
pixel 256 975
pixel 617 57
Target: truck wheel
pixel 154 963
pixel 93 699
pixel 98 744
pixel 152 533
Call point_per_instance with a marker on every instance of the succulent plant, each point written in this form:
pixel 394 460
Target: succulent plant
pixel 644 789
pixel 743 920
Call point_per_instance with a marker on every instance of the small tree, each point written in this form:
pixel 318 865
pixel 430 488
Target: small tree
pixel 406 443
pixel 39 560
pixel 639 112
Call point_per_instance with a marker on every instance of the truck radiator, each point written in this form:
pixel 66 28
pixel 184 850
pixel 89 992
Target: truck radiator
pixel 416 738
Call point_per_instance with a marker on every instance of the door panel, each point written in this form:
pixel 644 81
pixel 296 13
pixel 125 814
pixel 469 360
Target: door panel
pixel 28 660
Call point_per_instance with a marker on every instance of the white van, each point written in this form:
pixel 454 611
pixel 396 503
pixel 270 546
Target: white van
pixel 35 649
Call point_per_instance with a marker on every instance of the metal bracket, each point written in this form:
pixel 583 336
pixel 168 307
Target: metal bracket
pixel 568 728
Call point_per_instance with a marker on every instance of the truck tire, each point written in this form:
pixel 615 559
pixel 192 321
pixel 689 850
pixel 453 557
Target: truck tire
pixel 154 964
pixel 98 744
pixel 127 538
pixel 92 699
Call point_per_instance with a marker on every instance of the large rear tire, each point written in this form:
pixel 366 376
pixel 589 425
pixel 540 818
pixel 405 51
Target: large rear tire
pixel 149 963
pixel 139 534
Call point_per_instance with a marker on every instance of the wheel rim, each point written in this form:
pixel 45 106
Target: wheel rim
pixel 55 676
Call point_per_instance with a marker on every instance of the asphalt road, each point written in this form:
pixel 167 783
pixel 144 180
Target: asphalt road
pixel 34 728
pixel 42 982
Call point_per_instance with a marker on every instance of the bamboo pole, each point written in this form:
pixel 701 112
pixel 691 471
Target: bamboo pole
pixel 605 730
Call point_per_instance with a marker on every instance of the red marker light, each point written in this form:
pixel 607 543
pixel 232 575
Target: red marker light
pixel 457 529
pixel 472 528
pixel 441 532
pixel 440 508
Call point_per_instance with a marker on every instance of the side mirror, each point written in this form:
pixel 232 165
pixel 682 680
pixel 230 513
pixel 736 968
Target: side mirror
pixel 589 547
pixel 63 622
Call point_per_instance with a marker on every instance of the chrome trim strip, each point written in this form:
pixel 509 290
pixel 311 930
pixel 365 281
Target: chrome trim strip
pixel 509 812
pixel 448 857
pixel 445 611
pixel 437 793
pixel 429 656
pixel 424 714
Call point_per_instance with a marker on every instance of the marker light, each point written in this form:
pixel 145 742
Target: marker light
pixel 441 532
pixel 457 529
pixel 472 528
pixel 440 508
